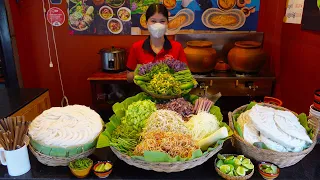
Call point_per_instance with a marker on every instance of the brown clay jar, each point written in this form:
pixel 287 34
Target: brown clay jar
pixel 201 56
pixel 247 57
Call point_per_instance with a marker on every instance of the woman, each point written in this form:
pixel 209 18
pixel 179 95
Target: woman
pixel 157 46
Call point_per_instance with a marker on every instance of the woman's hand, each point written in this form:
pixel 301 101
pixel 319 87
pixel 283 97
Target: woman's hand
pixel 130 76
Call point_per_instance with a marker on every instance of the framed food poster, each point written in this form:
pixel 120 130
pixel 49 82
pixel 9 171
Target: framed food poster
pixel 99 17
pixel 200 16
pixel 311 15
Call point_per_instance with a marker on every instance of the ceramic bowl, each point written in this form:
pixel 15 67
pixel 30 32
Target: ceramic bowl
pixel 268 176
pixel 317 95
pixel 226 176
pixel 316 105
pixel 102 174
pixel 83 172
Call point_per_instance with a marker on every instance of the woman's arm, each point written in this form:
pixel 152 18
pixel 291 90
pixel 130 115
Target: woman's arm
pixel 130 76
pixel 131 64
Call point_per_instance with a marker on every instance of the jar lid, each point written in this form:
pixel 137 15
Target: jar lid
pixel 112 50
pixel 199 43
pixel 248 44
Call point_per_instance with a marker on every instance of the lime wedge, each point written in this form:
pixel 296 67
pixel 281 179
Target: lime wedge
pixel 246 161
pixel 241 171
pixel 231 167
pixel 221 157
pixel 219 163
pixel 274 169
pixel 264 166
pixel 107 166
pixel 268 170
pixel 231 173
pixel 248 166
pixel 229 160
pixel 235 172
pixel 225 169
pixel 100 168
pixel 237 162
pixel 240 157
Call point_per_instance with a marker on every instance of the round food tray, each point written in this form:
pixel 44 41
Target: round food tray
pixel 281 159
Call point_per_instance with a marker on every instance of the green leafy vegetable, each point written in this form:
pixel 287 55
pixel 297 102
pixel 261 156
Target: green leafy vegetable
pixel 303 119
pixel 164 84
pixel 80 164
pixel 215 110
pixel 169 77
pixel 126 136
pixel 238 128
pixel 250 106
pixel 260 145
pixel 127 140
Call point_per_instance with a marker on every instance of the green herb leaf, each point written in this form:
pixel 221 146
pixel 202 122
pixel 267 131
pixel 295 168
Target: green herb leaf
pixel 261 145
pixel 215 110
pixel 250 106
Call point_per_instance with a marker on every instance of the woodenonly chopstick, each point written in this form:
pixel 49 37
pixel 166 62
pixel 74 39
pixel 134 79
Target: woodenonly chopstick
pixel 12 132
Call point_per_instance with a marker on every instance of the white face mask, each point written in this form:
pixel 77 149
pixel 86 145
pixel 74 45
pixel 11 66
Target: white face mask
pixel 157 30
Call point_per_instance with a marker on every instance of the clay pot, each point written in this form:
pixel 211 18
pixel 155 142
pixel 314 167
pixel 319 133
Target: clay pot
pixel 247 57
pixel 201 56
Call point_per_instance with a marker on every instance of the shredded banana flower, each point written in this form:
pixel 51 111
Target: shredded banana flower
pixel 172 143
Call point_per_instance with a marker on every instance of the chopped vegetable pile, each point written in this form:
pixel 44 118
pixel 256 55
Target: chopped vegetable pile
pixel 141 131
pixel 180 105
pixel 80 164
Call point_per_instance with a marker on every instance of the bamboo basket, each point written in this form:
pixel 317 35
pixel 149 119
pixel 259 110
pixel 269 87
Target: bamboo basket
pixel 58 161
pixel 167 167
pixel 281 159
pixel 226 176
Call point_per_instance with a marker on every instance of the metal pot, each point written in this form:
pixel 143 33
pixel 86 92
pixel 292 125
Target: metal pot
pixel 113 59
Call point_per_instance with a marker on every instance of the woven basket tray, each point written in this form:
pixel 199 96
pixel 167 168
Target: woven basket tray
pixel 225 176
pixel 58 161
pixel 166 166
pixel 281 159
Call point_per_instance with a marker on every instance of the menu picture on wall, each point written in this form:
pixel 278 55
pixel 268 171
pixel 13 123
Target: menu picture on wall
pixel 200 16
pixel 311 15
pixel 99 17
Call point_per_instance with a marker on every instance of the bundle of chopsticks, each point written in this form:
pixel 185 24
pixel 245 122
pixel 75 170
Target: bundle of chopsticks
pixel 12 132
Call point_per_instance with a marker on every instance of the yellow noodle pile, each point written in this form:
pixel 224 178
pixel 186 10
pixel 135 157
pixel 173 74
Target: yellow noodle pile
pixel 174 144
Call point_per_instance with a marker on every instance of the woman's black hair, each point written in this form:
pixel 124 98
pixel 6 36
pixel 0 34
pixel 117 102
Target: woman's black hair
pixel 157 8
